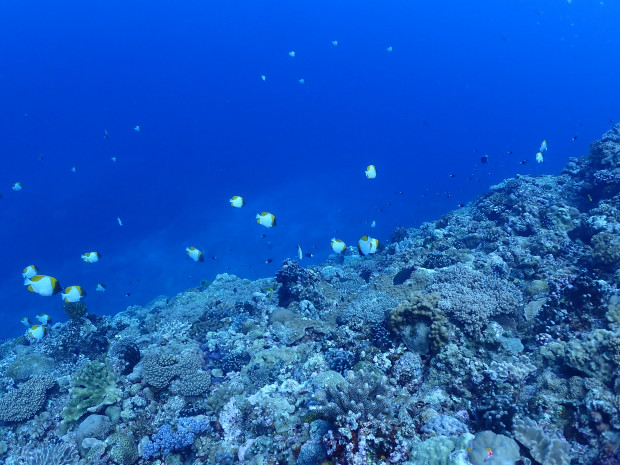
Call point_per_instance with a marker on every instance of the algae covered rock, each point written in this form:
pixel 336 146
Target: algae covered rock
pixel 441 450
pixel 30 364
pixel 93 426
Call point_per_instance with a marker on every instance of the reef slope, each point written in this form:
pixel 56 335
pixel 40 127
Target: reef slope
pixel 491 335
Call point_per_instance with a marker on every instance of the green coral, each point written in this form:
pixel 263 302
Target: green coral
pixel 418 308
pixel 596 353
pixel 124 450
pixel 75 310
pixel 606 248
pixel 94 386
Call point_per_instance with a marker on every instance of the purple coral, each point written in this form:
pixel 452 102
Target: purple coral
pixel 166 440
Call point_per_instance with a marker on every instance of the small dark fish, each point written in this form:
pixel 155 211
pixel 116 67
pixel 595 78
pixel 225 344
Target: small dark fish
pixel 213 257
pixel 309 255
pixel 484 159
pixel 128 294
pixel 509 152
pixel 574 138
pixel 106 136
pixel 461 205
pixel 523 162
pixel 269 260
pixel 452 175
pixel 263 235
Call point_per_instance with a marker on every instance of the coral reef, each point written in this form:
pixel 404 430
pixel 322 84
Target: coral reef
pixel 489 336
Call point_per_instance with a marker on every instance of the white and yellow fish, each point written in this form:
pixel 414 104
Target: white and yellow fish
pixel 43 285
pixel 37 332
pixel 373 224
pixel 266 219
pixel 539 157
pixel 74 169
pixel 543 146
pixel 367 245
pixel 73 294
pixel 334 43
pixel 237 201
pixel 120 222
pixel 371 172
pixel 374 245
pixel 300 254
pixel 291 54
pixel 26 322
pixel 137 128
pixel 100 287
pixel 91 257
pixel 17 186
pixel 338 246
pixel 302 81
pixel 43 318
pixel 389 49
pixel 113 159
pixel 194 254
pixel 29 271
pixel 263 77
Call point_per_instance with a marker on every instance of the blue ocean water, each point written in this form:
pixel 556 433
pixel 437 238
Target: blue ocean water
pixel 462 80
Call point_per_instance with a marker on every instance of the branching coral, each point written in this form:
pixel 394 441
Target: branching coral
pixel 94 386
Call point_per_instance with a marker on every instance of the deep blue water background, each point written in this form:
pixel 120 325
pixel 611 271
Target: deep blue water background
pixel 463 79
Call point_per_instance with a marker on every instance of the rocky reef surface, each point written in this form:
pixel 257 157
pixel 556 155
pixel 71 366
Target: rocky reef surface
pixel 490 336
